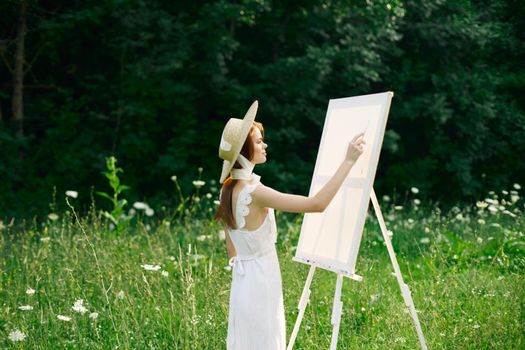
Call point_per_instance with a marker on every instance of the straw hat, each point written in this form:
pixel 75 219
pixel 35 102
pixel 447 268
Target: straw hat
pixel 233 136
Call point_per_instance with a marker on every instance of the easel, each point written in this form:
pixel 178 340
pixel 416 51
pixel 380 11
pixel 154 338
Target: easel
pixel 338 305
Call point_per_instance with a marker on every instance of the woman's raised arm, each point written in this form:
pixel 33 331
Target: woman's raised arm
pixel 267 197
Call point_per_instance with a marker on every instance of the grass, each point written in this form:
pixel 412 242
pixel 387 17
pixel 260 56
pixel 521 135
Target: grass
pixel 464 268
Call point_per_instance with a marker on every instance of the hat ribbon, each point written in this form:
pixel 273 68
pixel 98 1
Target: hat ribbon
pixel 246 173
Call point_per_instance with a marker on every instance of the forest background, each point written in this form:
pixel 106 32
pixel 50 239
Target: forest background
pixel 154 82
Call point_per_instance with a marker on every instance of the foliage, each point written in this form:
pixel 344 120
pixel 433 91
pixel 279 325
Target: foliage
pixel 117 215
pixel 156 87
pixel 164 283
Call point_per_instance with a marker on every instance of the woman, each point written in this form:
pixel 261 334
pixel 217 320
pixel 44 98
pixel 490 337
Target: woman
pixel 256 315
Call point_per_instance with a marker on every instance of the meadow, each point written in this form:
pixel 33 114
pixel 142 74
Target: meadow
pixel 161 281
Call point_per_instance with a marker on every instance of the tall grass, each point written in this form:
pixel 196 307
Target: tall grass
pixel 164 283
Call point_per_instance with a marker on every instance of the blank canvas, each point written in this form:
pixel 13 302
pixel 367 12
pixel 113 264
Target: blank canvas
pixel 331 239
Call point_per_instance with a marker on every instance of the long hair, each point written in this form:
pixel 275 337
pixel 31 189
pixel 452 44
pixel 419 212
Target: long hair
pixel 225 211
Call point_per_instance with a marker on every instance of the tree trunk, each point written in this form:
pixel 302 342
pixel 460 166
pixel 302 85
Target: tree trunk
pixel 18 73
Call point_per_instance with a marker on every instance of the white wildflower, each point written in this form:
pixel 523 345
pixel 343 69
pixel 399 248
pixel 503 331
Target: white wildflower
pixel 228 268
pixel 480 240
pixel 427 230
pixel 386 198
pixel 514 198
pixel 492 201
pixel 493 209
pixel 53 217
pixel 424 240
pixel 517 186
pixel 45 239
pixel 390 233
pixel 506 212
pixel 417 201
pixel 410 221
pixel 198 183
pixel 495 224
pixel 174 178
pixel 149 211
pixel 79 306
pixel 476 326
pixel 481 221
pixel 460 217
pixel 505 192
pixel 72 194
pixel 16 335
pixel 93 315
pixel 398 207
pixel 216 202
pixel 30 291
pixel 196 199
pixel 25 307
pixel 202 238
pixel 120 295
pixel 151 267
pixel 140 205
pixel 222 235
pixel 208 195
pixel 165 273
pixel 482 204
pixel 414 190
pixel 64 318
pixel 132 212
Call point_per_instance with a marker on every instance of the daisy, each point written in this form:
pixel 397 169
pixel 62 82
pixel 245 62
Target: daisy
pixel 424 240
pixel 25 307
pixel 151 267
pixel 198 183
pixel 79 306
pixel 93 315
pixel 30 291
pixel 72 194
pixel 16 335
pixel 64 318
pixel 140 205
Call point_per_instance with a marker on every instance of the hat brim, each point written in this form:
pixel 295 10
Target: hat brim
pixel 247 123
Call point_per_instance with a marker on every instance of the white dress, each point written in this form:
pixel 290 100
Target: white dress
pixel 256 315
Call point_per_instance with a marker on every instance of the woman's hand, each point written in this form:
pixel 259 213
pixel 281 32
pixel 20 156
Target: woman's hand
pixel 355 148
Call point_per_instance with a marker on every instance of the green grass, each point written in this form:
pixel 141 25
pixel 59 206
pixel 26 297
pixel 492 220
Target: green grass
pixel 466 279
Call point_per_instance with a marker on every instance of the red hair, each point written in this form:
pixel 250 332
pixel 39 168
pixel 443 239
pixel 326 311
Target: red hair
pixel 225 211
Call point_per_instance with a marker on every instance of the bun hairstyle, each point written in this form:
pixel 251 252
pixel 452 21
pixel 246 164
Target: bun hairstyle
pixel 225 211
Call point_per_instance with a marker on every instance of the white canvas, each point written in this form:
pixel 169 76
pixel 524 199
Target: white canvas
pixel 331 239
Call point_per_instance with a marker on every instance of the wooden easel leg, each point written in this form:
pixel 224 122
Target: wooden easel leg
pixel 405 291
pixel 305 298
pixel 336 312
